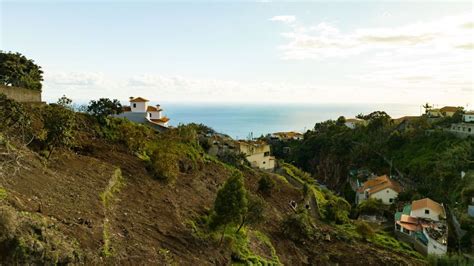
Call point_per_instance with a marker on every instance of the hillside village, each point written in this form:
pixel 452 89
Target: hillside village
pixel 368 204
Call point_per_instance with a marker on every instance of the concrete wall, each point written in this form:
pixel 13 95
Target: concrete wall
pixel 420 213
pixel 20 94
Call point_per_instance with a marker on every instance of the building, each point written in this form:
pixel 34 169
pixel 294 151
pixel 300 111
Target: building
pixel 354 122
pixel 423 224
pixel 140 112
pixel 381 187
pixel 468 117
pixel 462 129
pixel 447 111
pixel 291 135
pixel 257 153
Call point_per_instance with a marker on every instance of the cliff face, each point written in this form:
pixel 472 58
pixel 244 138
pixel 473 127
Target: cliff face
pixel 99 204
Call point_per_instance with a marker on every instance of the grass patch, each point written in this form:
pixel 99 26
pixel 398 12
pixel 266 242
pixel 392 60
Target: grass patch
pixel 107 250
pixel 114 186
pixel 3 193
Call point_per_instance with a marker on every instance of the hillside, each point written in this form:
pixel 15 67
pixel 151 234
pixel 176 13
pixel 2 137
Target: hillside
pixel 120 193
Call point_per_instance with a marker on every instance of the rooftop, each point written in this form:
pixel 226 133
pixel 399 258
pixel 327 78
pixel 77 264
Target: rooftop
pixel 138 99
pixel 380 183
pixel 430 204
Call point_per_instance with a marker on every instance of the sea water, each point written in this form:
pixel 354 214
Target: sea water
pixel 243 120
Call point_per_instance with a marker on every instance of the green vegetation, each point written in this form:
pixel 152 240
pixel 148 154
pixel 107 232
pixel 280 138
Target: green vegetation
pixel 3 193
pixel 19 71
pixel 230 204
pixel 58 124
pixel 242 254
pixel 266 184
pixel 453 259
pixel 103 108
pixel 298 227
pixel 116 182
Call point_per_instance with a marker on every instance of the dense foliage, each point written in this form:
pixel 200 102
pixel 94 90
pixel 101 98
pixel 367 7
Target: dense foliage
pixel 19 71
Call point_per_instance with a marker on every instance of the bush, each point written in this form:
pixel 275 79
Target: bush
pixel 371 207
pixel 8 223
pixel 297 227
pixel 337 210
pixel 365 230
pixel 164 165
pixel 266 184
pixel 59 124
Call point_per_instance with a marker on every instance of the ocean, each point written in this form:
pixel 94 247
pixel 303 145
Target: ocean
pixel 243 120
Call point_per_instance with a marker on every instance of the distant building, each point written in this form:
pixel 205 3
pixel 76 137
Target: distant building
pixel 257 153
pixel 462 129
pixel 381 187
pixel 468 117
pixel 446 111
pixel 354 122
pixel 140 112
pixel 423 224
pixel 291 135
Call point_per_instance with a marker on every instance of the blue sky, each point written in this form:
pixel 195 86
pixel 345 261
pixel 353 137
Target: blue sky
pixel 248 52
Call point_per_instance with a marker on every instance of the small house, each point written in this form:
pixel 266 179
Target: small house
pixel 140 111
pixel 257 153
pixel 381 187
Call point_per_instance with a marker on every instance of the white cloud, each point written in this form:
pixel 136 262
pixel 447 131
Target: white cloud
pixel 325 40
pixel 284 18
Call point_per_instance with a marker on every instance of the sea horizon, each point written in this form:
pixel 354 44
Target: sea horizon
pixel 244 120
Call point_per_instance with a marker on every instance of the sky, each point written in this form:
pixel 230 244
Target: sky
pixel 248 52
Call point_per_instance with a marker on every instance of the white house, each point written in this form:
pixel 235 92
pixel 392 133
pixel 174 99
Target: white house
pixel 140 112
pixel 257 153
pixel 381 187
pixel 468 117
pixel 427 209
pixel 423 224
pixel 462 129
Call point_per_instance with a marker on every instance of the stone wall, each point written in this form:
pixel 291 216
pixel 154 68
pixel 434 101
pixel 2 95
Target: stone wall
pixel 20 94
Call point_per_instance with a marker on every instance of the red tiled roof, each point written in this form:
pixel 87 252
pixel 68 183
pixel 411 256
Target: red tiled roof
pixel 151 109
pixel 138 99
pixel 380 183
pixel 449 109
pixel 160 120
pixel 428 203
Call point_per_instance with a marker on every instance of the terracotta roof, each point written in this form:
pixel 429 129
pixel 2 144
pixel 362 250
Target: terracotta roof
pixel 151 109
pixel 449 109
pixel 138 99
pixel 428 203
pixel 408 219
pixel 290 134
pixel 380 183
pixel 160 120
pixel 411 227
pixel 469 113
pixel 126 109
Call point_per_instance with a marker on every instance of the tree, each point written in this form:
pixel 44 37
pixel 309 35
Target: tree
pixel 371 206
pixel 19 71
pixel 59 124
pixel 254 212
pixel 104 107
pixel 230 204
pixel 65 102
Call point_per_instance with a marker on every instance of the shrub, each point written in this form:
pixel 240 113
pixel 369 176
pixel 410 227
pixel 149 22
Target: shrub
pixel 371 206
pixel 266 184
pixel 365 230
pixel 104 107
pixel 337 210
pixel 297 227
pixel 8 223
pixel 59 123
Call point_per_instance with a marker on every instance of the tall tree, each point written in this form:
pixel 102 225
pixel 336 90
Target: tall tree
pixel 19 71
pixel 230 204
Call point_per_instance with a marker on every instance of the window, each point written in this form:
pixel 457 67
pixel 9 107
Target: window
pixel 263 162
pixel 390 200
pixel 387 191
pixel 267 153
pixel 427 211
pixel 150 114
pixel 134 105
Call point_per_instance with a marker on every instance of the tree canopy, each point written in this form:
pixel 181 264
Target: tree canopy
pixel 19 71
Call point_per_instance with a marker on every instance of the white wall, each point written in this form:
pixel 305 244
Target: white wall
pixel 139 106
pixel 434 247
pixel 468 118
pixel 420 213
pixel 385 195
pixel 155 115
pixel 261 161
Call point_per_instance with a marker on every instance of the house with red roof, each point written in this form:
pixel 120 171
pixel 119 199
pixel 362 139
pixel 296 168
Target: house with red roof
pixel 423 224
pixel 140 111
pixel 381 187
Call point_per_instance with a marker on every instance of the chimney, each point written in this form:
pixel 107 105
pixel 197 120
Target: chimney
pixel 130 98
